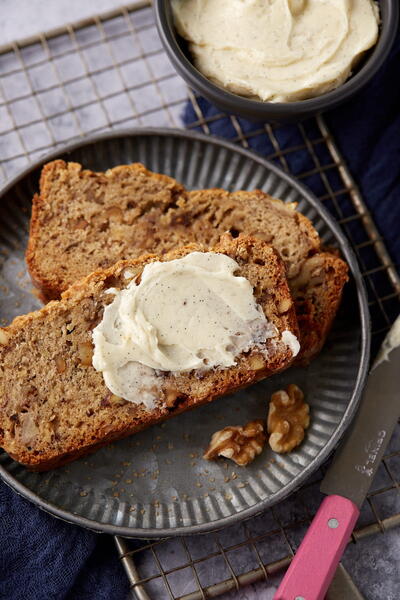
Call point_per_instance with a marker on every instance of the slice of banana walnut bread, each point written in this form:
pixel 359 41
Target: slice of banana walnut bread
pixel 54 404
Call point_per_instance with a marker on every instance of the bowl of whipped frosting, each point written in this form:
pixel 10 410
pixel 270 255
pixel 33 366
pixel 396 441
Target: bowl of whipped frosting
pixel 277 59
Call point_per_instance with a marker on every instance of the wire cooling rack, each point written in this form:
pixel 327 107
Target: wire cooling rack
pixel 111 71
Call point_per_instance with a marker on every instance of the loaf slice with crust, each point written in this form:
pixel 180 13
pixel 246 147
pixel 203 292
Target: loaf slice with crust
pixel 54 405
pixel 83 220
pixel 316 277
pixel 317 291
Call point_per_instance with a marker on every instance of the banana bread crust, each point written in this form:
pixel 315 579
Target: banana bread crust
pixel 54 405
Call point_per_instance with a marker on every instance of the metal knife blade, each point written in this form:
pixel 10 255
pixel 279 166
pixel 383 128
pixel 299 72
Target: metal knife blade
pixel 356 462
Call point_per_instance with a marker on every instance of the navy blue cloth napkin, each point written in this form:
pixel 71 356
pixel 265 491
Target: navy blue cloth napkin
pixel 42 558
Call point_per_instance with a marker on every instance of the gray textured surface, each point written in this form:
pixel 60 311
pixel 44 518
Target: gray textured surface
pixel 374 562
pixel 374 566
pixel 25 18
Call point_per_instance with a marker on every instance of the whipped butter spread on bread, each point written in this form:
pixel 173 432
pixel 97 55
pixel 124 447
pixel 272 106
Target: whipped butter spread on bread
pixel 186 314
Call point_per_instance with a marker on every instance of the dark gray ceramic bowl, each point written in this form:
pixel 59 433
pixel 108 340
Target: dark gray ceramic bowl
pixel 275 111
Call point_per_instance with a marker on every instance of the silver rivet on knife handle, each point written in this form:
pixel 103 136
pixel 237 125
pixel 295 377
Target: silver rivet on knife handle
pixel 333 523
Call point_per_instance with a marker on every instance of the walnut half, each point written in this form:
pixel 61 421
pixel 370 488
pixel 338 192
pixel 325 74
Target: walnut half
pixel 288 418
pixel 240 444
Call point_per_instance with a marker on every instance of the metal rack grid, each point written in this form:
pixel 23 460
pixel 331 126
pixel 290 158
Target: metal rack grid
pixel 110 71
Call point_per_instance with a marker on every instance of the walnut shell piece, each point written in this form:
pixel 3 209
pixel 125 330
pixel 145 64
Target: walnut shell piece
pixel 288 418
pixel 240 444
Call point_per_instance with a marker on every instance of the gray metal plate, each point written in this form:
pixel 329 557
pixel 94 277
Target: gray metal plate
pixel 156 483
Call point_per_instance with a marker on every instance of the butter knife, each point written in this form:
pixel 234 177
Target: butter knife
pixel 348 479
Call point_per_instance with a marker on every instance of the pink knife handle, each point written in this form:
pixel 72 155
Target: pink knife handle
pixel 314 565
